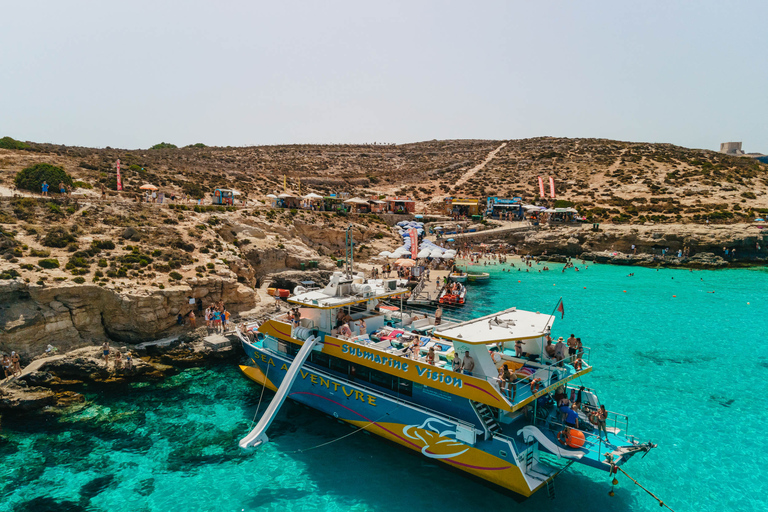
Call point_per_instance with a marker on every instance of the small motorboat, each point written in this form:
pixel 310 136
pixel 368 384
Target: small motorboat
pixel 478 277
pixel 453 298
pixel 458 277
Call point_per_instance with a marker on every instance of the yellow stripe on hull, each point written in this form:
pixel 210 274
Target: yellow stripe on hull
pixel 256 375
pixel 471 460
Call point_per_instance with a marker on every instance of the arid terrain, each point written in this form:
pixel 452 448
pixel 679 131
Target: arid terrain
pixel 78 269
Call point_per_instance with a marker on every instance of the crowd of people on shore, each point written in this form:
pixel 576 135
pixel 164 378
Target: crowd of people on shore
pixel 120 361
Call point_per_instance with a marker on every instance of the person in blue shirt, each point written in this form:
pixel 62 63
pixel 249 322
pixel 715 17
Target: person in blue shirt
pixel 45 188
pixel 571 416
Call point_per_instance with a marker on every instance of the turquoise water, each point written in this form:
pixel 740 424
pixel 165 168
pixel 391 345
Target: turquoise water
pixel 675 365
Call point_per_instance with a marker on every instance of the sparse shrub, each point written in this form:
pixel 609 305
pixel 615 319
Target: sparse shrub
pixel 59 237
pixel 175 276
pixel 9 143
pixel 164 145
pixel 82 184
pixel 49 263
pixel 39 253
pixel 103 245
pixel 9 274
pixel 79 280
pixel 32 178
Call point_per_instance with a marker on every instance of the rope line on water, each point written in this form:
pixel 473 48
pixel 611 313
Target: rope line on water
pixel 345 435
pixel 661 503
pixel 263 387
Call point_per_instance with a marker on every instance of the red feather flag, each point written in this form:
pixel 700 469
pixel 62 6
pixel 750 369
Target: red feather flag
pixel 561 309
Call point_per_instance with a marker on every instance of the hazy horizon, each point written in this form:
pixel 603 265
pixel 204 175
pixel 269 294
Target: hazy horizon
pixel 251 74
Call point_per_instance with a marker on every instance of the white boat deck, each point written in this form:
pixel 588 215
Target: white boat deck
pixel 509 325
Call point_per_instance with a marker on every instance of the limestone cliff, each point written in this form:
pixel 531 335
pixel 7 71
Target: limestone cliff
pixel 71 316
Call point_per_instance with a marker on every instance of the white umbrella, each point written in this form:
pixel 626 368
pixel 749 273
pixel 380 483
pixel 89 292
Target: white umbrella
pixel 312 195
pixel 436 254
pixel 424 253
pixel 285 195
pixel 272 196
pixel 385 254
pixel 236 193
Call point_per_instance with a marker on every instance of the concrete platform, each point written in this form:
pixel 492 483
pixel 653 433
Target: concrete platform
pixel 217 342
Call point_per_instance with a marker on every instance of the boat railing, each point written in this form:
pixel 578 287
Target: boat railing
pixel 596 443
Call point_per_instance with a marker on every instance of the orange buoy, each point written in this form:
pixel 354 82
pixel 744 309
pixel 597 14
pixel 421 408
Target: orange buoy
pixel 674 295
pixel 518 281
pixel 575 438
pixel 585 287
pixel 625 291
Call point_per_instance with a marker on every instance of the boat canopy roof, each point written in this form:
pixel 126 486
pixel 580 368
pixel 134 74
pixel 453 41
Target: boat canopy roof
pixel 343 291
pixel 508 325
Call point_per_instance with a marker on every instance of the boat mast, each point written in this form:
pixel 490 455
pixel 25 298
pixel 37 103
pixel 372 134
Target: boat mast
pixel 350 255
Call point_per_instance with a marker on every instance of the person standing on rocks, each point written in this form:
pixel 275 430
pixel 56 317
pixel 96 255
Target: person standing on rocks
pixel 192 321
pixel 7 366
pixel 105 351
pixel 118 360
pixel 16 363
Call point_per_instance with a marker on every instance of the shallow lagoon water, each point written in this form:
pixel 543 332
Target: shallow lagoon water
pixel 673 364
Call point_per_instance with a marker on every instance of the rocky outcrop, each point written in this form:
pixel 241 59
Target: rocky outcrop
pixel 751 244
pixel 31 317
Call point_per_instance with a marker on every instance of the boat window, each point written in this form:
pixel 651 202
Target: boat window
pixel 320 359
pixel 406 387
pixel 282 346
pixel 339 365
pixel 384 380
pixel 358 372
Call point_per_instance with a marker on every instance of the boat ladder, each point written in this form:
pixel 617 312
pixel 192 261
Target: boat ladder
pixel 551 488
pixel 486 416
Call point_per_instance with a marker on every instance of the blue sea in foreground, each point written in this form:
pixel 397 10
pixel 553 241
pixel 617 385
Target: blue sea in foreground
pixel 683 353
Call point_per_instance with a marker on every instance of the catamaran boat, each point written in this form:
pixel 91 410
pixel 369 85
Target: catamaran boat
pixel 377 373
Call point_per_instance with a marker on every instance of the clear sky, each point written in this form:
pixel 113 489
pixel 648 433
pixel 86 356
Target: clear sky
pixel 134 73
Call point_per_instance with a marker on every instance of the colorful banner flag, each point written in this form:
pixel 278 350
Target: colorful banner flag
pixel 119 180
pixel 552 187
pixel 541 187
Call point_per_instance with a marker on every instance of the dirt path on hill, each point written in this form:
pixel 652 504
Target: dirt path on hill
pixel 467 175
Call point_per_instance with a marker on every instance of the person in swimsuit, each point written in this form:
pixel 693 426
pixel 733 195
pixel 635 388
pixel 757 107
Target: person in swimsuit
pixel 344 330
pixel 128 361
pixel 16 364
pixel 45 188
pixel 118 360
pixel 602 416
pixel 431 355
pixel 456 363
pixel 506 378
pixel 105 352
pixel 7 366
pixel 192 321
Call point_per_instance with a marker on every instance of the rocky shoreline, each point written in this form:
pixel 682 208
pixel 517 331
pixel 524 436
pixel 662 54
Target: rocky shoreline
pixel 55 381
pixel 705 245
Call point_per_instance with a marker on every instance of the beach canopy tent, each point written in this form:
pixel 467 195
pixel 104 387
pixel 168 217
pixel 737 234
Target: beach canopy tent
pixel 358 205
pixel 312 195
pixel 272 196
pixel 288 200
pixel 404 262
pixel 147 186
